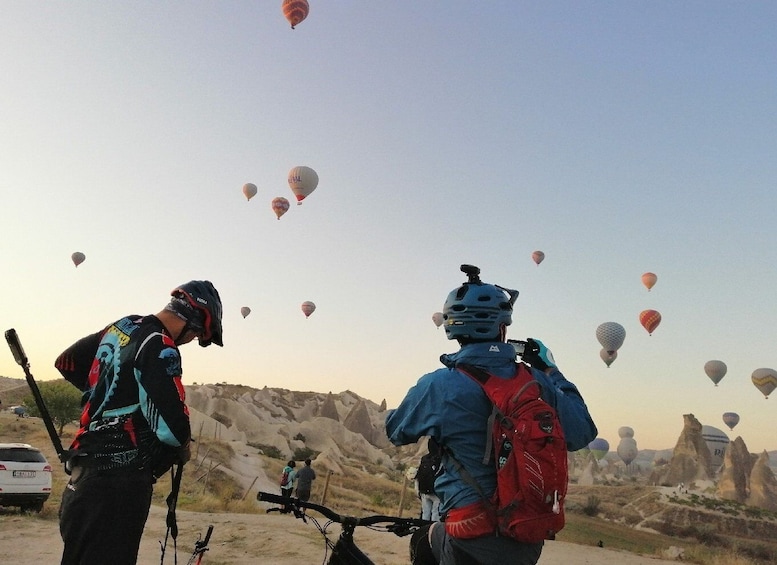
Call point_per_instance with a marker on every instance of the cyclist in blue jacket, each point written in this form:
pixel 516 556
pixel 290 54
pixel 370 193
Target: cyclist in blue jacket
pixel 452 409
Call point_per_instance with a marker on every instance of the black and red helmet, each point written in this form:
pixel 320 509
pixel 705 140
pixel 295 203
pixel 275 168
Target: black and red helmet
pixel 198 303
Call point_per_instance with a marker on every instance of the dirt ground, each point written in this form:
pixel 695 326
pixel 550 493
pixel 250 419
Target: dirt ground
pixel 243 539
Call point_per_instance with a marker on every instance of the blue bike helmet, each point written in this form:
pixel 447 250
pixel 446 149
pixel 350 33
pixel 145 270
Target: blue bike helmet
pixel 198 303
pixel 476 311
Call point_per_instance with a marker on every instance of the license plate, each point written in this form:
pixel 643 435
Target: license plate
pixel 24 474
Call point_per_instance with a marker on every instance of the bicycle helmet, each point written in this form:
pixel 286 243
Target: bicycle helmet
pixel 476 311
pixel 199 305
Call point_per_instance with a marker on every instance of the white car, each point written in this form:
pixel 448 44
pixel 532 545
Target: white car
pixel 25 476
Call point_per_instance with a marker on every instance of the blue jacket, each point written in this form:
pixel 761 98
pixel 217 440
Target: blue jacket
pixel 453 409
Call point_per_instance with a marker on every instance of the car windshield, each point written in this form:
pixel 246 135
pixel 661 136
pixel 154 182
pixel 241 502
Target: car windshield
pixel 21 455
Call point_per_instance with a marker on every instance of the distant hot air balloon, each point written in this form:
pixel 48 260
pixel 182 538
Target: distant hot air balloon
pixel 249 190
pixel 437 318
pixel 608 356
pixel 599 447
pixel 295 11
pixel 627 450
pixel 245 311
pixel 625 431
pixel 302 181
pixel 731 419
pixel 610 336
pixel 715 370
pixel 78 258
pixel 765 380
pixel 280 206
pixel 716 441
pixel 308 308
pixel 650 320
pixel 649 280
pixel 538 257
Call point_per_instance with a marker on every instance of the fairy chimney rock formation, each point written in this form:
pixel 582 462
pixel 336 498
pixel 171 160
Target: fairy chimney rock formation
pixel 328 408
pixel 691 459
pixel 735 476
pixel 358 421
pixel 763 485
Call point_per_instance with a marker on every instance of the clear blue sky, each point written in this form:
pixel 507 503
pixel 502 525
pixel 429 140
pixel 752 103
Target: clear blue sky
pixel 616 137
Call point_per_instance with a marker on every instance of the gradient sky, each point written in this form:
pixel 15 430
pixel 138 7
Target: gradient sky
pixel 616 137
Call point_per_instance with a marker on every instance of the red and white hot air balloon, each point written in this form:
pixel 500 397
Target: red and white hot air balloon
pixel 295 11
pixel 280 206
pixel 650 320
pixel 308 308
pixel 538 257
pixel 302 181
pixel 78 258
pixel 649 280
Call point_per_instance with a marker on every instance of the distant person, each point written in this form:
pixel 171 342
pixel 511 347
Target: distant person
pixel 453 409
pixel 135 423
pixel 305 478
pixel 287 483
pixel 428 469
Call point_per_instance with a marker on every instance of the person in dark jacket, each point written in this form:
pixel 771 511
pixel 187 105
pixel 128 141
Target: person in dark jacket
pixel 135 423
pixel 452 409
pixel 305 478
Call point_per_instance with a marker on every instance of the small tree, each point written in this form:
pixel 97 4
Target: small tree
pixel 63 401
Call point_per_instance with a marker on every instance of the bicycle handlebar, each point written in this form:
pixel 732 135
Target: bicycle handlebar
pixel 335 517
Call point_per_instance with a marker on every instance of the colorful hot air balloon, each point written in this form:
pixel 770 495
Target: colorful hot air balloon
pixel 308 308
pixel 437 318
pixel 599 447
pixel 627 450
pixel 610 336
pixel 280 206
pixel 302 181
pixel 650 320
pixel 715 370
pixel 731 419
pixel 649 280
pixel 608 356
pixel 245 311
pixel 78 258
pixel 765 380
pixel 538 257
pixel 249 190
pixel 295 11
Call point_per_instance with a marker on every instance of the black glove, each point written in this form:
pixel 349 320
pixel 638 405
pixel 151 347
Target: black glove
pixel 538 356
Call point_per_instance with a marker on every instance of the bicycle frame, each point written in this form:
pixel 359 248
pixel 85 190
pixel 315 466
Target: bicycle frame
pixel 345 551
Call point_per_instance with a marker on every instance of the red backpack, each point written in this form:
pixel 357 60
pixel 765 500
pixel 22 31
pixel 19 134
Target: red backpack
pixel 526 443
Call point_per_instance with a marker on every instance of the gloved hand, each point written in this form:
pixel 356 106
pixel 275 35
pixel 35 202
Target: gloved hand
pixel 538 356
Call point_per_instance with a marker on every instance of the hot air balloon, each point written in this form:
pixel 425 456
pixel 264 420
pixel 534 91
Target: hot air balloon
pixel 437 318
pixel 715 370
pixel 649 279
pixel 765 380
pixel 245 311
pixel 625 431
pixel 610 336
pixel 650 320
pixel 295 11
pixel 538 257
pixel 78 258
pixel 627 450
pixel 249 190
pixel 302 181
pixel 608 357
pixel 308 308
pixel 716 441
pixel 599 447
pixel 731 419
pixel 280 206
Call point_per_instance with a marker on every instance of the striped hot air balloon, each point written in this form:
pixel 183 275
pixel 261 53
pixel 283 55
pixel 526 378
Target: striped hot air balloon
pixel 295 11
pixel 650 320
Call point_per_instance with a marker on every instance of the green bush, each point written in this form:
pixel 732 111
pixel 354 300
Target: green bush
pixel 591 507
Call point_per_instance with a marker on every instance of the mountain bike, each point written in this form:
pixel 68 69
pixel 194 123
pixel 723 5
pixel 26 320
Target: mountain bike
pixel 344 551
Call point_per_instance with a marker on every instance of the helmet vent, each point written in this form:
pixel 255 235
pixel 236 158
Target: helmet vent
pixel 461 292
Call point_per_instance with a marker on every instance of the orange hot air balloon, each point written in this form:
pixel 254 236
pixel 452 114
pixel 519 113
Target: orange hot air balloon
pixel 649 280
pixel 280 206
pixel 295 11
pixel 650 320
pixel 538 257
pixel 308 308
pixel 78 258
